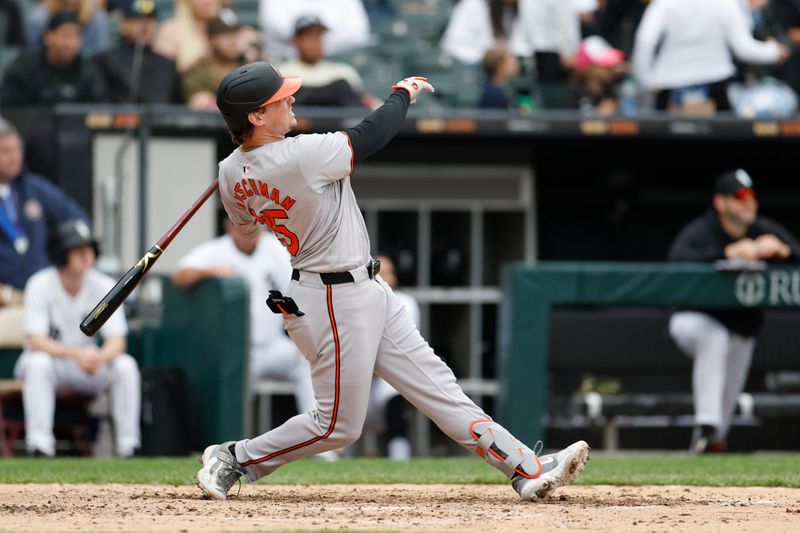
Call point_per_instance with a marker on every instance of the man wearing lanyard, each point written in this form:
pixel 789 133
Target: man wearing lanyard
pixel 29 205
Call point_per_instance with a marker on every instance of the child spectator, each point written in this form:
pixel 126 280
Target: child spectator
pixel 500 66
pixel 598 69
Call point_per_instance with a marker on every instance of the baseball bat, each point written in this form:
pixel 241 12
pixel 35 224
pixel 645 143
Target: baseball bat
pixel 111 301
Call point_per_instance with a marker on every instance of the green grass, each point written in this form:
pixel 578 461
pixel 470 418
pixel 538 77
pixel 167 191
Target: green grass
pixel 774 470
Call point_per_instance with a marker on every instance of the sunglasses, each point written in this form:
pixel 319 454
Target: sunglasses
pixel 745 194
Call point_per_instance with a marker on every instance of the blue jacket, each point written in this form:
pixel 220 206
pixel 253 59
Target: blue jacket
pixel 41 205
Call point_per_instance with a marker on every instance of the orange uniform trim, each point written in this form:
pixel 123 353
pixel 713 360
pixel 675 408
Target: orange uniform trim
pixel 482 453
pixel 337 350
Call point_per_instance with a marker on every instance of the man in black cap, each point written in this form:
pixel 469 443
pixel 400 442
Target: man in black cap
pixel 721 341
pixel 325 83
pixel 55 74
pixel 157 79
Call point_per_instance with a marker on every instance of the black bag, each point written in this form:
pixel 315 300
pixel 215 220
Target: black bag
pixel 166 428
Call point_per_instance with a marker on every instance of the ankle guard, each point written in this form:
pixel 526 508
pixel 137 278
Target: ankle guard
pixel 501 450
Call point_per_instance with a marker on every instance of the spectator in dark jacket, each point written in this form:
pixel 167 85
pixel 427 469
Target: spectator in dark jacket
pixel 787 15
pixel 55 74
pixel 29 205
pixel 721 341
pixel 158 79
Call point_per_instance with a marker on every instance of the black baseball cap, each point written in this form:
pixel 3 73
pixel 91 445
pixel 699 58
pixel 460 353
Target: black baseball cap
pixel 60 18
pixel 139 8
pixel 308 21
pixel 67 235
pixel 734 183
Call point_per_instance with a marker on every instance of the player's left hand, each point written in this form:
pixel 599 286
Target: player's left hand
pixel 769 246
pixel 414 86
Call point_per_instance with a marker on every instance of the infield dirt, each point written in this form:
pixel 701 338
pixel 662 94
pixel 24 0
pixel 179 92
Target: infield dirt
pixel 407 508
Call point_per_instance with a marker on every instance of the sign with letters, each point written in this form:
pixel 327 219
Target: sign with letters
pixel 774 288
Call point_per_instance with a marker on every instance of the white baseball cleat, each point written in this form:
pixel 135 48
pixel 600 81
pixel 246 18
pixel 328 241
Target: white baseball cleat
pixel 220 471
pixel 558 469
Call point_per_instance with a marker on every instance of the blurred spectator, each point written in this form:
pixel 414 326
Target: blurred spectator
pixel 10 24
pixel 157 79
pixel 201 80
pixel 346 20
pixel 618 20
pixel 58 355
pixel 56 73
pixel 721 341
pixel 29 205
pixel 683 52
pixel 587 11
pixel 325 83
pixel 251 44
pixel 184 37
pixel 597 71
pixel 787 14
pixel 265 265
pixel 549 30
pixel 500 66
pixel 91 16
pixel 476 26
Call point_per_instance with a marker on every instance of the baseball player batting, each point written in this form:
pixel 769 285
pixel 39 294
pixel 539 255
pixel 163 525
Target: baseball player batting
pixel 339 312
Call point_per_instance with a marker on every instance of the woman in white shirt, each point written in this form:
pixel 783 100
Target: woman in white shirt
pixel 686 44
pixel 476 26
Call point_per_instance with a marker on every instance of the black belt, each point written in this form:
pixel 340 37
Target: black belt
pixel 334 278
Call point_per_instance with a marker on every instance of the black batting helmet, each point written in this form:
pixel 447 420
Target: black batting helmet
pixel 249 87
pixel 66 236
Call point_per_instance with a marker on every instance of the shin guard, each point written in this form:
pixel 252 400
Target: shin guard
pixel 501 450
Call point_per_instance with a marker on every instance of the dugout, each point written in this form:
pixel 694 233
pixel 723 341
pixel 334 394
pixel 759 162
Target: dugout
pixel 455 195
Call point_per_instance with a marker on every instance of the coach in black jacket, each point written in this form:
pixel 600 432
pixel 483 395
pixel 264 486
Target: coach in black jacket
pixel 721 341
pixel 158 79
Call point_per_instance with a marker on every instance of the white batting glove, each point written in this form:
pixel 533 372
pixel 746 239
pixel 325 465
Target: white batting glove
pixel 414 86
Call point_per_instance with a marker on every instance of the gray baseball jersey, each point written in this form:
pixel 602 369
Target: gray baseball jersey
pixel 300 189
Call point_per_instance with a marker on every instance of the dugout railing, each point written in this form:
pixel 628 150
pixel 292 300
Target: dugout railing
pixel 530 293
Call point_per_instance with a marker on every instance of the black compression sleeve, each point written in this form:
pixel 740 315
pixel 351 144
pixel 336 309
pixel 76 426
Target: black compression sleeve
pixel 375 131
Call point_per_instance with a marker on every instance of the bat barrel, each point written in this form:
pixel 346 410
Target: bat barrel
pixel 119 293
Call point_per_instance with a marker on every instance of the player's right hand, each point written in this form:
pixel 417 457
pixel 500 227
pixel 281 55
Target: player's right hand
pixel 414 86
